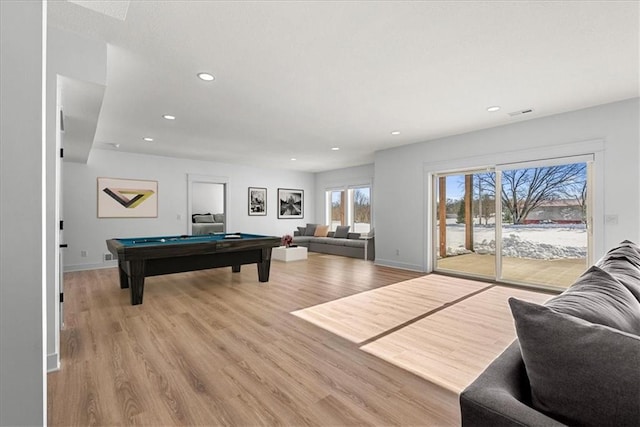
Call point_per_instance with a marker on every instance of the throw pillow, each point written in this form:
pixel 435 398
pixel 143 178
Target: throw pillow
pixel 632 246
pixel 598 297
pixel 580 373
pixel 342 231
pixel 627 250
pixel 207 218
pixel 321 231
pixel 301 231
pixel 625 273
pixel 218 217
pixel 623 263
pixel 310 230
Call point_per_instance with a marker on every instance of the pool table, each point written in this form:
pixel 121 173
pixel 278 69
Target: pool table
pixel 152 256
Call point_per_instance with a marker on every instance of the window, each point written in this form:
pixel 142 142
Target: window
pixel 361 199
pixel 336 209
pixel 351 207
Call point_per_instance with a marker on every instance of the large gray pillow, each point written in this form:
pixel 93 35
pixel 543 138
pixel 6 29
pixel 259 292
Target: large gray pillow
pixel 204 218
pixel 342 231
pixel 627 250
pixel 625 272
pixel 310 230
pixel 580 373
pixel 623 263
pixel 628 244
pixel 599 298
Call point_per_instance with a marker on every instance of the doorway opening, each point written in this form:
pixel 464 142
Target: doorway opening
pixel 206 204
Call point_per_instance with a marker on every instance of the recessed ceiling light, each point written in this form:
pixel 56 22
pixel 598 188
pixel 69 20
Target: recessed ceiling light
pixel 146 138
pixel 395 132
pixel 115 145
pixel 335 148
pixel 293 159
pixel 493 108
pixel 206 77
pixel 169 117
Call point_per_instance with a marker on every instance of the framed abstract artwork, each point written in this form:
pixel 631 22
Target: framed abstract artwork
pixel 257 201
pixel 290 203
pixel 127 198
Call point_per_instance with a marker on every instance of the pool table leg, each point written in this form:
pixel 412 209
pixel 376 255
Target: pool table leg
pixel 136 274
pixel 265 265
pixel 235 268
pixel 124 278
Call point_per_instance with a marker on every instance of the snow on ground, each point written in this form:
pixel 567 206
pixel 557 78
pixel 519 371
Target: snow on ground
pixel 549 241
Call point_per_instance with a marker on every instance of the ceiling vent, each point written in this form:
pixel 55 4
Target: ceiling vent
pixel 521 112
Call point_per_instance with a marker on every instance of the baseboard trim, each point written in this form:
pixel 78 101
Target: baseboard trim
pixel 53 362
pixel 83 267
pixel 400 265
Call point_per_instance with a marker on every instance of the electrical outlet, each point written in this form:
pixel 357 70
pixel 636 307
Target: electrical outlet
pixel 83 254
pixel 397 252
pixel 107 257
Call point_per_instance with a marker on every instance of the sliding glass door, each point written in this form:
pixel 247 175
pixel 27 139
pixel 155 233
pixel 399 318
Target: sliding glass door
pixel 540 236
pixel 544 235
pixel 465 223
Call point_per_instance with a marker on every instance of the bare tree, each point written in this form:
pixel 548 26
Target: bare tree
pixel 484 203
pixel 579 193
pixel 361 206
pixel 523 190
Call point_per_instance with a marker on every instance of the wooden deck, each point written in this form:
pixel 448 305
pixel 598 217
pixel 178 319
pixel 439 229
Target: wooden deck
pixel 559 273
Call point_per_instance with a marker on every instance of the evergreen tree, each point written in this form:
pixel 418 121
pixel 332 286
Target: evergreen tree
pixel 461 214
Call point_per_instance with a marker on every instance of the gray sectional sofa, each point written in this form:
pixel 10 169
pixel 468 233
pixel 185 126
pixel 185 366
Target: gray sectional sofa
pixel 577 357
pixel 339 242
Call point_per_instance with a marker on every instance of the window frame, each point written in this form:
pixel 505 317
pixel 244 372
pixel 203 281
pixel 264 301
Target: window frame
pixel 348 203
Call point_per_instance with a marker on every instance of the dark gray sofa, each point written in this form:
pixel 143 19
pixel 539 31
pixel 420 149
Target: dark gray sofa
pixel 577 357
pixel 351 245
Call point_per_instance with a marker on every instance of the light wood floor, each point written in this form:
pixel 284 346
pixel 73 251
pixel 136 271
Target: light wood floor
pixel 452 346
pixel 216 348
pixel 363 316
pixel 444 329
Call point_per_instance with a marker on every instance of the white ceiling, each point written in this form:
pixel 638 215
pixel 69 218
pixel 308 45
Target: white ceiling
pixel 294 79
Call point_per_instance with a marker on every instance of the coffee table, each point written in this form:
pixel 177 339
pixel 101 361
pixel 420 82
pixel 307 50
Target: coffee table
pixel 289 254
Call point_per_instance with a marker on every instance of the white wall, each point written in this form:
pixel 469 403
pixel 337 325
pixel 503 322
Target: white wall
pixel 23 384
pixel 85 232
pixel 207 198
pixel 70 55
pixel 400 193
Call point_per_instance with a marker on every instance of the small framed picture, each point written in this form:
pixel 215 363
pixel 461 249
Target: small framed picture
pixel 290 203
pixel 257 201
